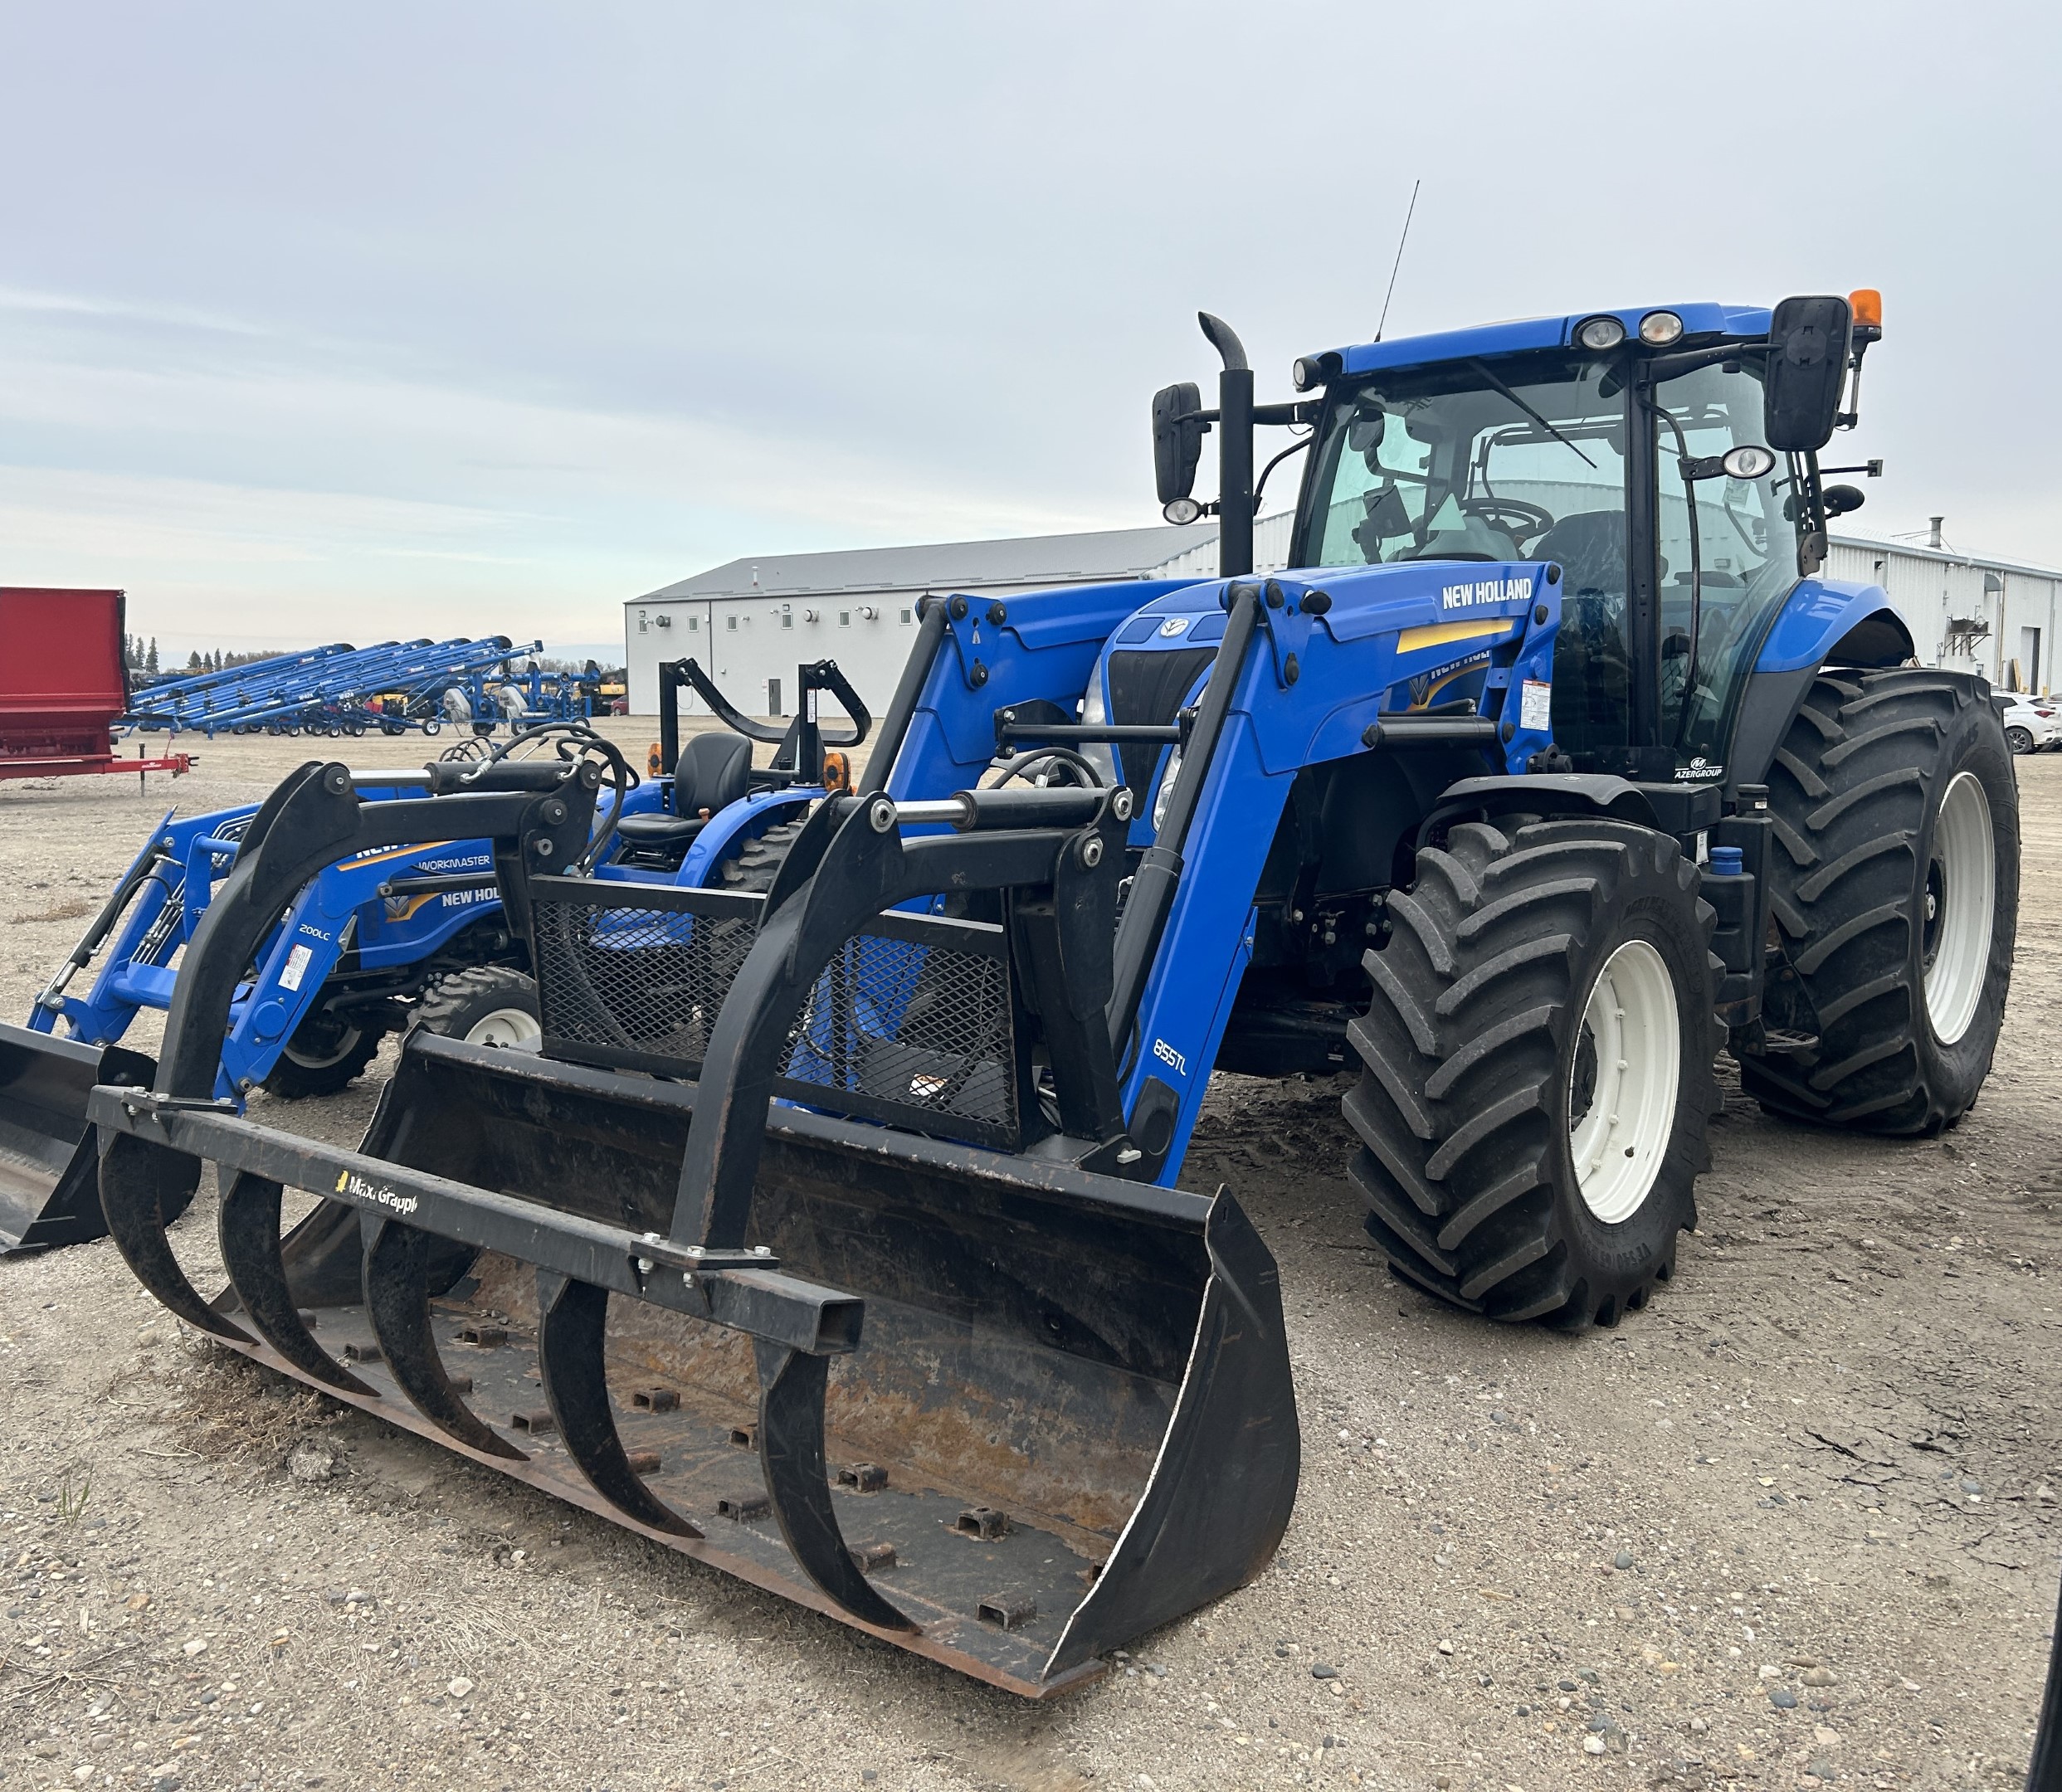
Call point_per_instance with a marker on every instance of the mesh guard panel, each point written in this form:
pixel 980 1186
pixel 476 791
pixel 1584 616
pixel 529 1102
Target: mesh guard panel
pixel 913 1022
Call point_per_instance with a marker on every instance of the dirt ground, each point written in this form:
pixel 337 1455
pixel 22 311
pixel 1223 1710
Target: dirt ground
pixel 1793 1525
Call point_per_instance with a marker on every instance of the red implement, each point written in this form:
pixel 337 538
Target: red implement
pixel 62 684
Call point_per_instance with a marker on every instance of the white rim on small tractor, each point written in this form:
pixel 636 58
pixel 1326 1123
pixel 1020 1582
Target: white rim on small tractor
pixel 506 1026
pixel 347 1042
pixel 1960 904
pixel 1619 1139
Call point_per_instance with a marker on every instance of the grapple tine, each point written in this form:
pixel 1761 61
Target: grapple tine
pixel 248 1226
pixel 140 1182
pixel 397 1307
pixel 792 1387
pixel 572 1324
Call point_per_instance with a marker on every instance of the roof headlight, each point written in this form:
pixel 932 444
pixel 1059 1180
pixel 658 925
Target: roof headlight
pixel 1658 328
pixel 1179 511
pixel 1600 332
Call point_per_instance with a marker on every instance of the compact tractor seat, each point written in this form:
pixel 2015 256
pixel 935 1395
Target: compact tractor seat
pixel 713 771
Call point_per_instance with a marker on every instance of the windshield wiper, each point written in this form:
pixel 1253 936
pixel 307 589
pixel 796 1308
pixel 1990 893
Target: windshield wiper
pixel 1498 384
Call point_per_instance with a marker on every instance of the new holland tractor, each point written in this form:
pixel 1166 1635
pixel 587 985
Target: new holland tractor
pixel 836 1235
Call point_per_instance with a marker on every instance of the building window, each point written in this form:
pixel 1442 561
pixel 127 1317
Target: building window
pixel 844 619
pixel 694 622
pixel 905 615
pixel 788 620
pixel 732 622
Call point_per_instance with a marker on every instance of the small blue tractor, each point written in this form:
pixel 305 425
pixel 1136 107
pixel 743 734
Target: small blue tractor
pixel 375 943
pixel 836 1235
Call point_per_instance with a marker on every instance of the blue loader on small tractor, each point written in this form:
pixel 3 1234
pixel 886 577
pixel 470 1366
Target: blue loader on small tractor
pixel 836 1235
pixel 378 943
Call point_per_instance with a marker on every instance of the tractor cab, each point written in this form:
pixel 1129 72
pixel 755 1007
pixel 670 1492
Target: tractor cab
pixel 1665 459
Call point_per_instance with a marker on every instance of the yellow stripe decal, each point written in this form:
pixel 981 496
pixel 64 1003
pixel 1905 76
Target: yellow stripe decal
pixel 1441 634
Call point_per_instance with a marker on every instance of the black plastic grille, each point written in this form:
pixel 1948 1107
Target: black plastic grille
pixel 912 1022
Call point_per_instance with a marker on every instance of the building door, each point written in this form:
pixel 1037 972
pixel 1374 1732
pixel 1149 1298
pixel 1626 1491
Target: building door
pixel 2030 659
pixel 773 698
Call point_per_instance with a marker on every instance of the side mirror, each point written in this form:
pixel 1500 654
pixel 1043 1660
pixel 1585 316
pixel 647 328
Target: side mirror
pixel 1840 499
pixel 1178 439
pixel 1807 365
pixel 1365 428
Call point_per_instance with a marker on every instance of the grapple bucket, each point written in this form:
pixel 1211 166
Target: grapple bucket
pixel 915 1362
pixel 49 1193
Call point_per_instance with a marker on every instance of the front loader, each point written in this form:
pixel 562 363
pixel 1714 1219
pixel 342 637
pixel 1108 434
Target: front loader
pixel 837 1237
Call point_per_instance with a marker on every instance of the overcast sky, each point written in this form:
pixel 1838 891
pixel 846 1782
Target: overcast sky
pixel 351 322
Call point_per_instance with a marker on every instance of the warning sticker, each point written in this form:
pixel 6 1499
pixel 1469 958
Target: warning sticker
pixel 296 968
pixel 1535 706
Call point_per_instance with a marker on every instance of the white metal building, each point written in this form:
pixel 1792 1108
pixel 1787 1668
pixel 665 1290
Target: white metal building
pixel 750 623
pixel 1964 610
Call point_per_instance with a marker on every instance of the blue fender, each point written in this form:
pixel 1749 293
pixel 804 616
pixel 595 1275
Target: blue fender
pixel 1819 614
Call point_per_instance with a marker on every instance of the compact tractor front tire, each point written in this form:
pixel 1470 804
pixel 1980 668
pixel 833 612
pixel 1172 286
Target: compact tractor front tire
pixel 1537 1079
pixel 1893 883
pixel 322 1056
pixel 488 1004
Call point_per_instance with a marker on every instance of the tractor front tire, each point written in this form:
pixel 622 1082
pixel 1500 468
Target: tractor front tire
pixel 1537 1075
pixel 322 1056
pixel 1893 883
pixel 488 1004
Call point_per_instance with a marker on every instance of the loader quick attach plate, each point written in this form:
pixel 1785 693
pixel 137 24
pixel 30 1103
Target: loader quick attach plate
pixel 1001 1411
pixel 914 1022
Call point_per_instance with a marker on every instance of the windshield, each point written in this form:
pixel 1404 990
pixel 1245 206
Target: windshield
pixel 1462 463
pixel 1523 462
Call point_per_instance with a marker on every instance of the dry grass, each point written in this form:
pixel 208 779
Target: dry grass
pixel 224 1407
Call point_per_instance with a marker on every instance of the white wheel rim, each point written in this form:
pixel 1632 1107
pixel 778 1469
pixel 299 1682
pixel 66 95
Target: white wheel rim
pixel 347 1042
pixel 1619 1140
pixel 1957 908
pixel 505 1026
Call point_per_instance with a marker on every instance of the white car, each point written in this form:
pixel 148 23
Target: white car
pixel 2031 723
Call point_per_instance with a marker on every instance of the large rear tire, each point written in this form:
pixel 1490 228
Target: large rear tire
pixel 1537 1075
pixel 1893 881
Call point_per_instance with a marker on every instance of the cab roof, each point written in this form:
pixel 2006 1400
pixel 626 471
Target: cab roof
pixel 1745 323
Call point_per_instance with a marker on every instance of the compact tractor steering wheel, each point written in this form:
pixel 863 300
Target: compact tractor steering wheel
pixel 1501 513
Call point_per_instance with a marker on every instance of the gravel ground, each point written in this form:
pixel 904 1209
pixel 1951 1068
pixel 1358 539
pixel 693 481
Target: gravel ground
pixel 1794 1525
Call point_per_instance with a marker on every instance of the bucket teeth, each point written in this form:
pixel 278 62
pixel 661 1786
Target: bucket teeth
pixel 247 1226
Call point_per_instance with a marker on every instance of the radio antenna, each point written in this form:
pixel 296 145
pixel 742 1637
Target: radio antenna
pixel 1398 263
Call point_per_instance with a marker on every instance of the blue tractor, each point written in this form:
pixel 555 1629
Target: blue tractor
pixel 375 943
pixel 836 1235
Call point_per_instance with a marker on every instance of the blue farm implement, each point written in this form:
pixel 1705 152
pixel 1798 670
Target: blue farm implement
pixel 335 690
pixel 839 1218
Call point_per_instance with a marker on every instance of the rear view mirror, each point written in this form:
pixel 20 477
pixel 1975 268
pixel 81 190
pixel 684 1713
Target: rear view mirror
pixel 1178 439
pixel 1364 429
pixel 1807 362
